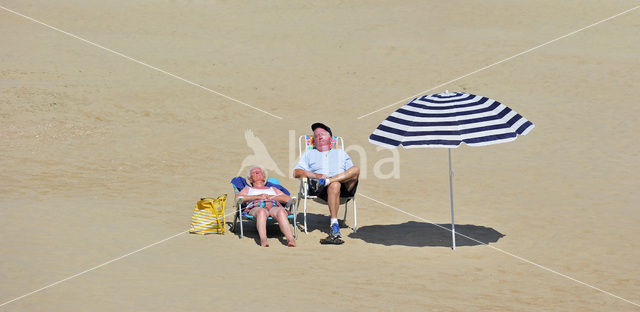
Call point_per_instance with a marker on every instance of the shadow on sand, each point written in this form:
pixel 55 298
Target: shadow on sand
pixel 411 233
pixel 251 231
pixel 320 222
pixel 421 234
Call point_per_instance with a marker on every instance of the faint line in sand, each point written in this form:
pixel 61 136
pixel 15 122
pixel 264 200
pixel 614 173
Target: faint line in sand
pixel 91 269
pixel 99 266
pixel 139 62
pixel 502 251
pixel 404 101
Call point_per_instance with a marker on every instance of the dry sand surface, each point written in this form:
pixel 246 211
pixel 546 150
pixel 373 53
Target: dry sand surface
pixel 102 154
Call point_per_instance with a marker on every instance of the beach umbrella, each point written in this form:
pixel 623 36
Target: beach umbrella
pixel 446 120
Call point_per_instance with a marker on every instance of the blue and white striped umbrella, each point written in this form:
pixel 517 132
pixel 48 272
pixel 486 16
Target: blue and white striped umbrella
pixel 448 120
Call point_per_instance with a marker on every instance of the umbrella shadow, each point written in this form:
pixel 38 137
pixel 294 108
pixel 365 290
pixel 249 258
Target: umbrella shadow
pixel 422 234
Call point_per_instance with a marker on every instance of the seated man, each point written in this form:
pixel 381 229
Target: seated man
pixel 331 175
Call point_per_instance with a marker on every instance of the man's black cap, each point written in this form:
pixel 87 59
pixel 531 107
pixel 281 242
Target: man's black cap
pixel 321 125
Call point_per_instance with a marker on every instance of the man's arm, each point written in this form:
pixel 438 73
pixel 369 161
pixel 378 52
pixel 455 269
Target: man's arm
pixel 301 173
pixel 300 170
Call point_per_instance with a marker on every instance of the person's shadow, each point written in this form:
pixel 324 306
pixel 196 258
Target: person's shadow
pixel 421 234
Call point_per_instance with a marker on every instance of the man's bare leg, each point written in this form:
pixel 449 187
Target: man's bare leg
pixel 333 198
pixel 348 178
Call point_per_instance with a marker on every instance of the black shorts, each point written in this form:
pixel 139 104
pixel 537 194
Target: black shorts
pixel 322 193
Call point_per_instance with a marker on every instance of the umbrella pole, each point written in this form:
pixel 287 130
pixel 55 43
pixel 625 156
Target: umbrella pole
pixel 453 228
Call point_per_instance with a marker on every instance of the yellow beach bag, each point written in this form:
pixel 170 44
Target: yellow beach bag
pixel 208 216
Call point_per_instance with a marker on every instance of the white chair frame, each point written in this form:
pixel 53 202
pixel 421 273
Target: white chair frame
pixel 303 193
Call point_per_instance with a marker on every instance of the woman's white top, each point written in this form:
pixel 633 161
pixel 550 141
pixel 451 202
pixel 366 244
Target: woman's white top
pixel 257 191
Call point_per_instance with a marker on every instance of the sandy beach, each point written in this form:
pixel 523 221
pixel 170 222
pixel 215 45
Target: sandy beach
pixel 116 117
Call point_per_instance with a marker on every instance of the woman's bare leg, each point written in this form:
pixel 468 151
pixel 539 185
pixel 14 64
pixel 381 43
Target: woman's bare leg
pixel 261 215
pixel 280 214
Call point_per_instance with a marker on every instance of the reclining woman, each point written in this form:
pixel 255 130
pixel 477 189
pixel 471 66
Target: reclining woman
pixel 262 202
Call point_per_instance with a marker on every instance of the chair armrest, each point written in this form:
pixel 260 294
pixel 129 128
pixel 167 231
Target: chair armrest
pixel 239 201
pixel 303 184
pixel 291 205
pixel 291 202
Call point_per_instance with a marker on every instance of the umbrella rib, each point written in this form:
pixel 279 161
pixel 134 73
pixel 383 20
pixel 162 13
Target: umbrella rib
pixel 503 251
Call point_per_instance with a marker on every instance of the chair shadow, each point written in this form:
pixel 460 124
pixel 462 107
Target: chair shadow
pixel 320 222
pixel 422 234
pixel 250 231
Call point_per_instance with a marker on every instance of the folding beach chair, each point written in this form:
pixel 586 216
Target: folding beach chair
pixel 239 183
pixel 305 142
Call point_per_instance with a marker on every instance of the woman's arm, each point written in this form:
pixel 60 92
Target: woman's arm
pixel 280 196
pixel 243 192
